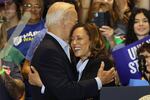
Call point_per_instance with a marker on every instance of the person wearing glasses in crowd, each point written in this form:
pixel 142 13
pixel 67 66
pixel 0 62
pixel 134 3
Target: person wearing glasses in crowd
pixel 34 26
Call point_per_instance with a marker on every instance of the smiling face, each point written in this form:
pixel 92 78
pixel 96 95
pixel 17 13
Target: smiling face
pixel 141 26
pixel 34 8
pixel 80 43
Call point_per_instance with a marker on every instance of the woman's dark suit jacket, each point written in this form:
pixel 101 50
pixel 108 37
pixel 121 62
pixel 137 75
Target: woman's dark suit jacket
pixel 91 70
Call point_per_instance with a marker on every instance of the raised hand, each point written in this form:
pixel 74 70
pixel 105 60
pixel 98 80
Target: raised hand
pixel 106 76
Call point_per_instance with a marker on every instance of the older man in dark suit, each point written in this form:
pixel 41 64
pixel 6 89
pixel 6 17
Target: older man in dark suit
pixel 53 62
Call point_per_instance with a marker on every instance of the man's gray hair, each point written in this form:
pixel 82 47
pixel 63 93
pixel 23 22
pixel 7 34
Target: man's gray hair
pixel 56 12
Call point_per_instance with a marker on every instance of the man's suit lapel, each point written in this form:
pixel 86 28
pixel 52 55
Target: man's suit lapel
pixel 71 64
pixel 58 46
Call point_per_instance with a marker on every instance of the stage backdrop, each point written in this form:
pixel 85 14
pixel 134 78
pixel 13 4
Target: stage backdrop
pixel 126 61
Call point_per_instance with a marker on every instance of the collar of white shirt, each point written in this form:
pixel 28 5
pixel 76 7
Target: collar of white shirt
pixel 81 66
pixel 62 43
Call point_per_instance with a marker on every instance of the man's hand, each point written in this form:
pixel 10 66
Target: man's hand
pixel 26 68
pixel 34 78
pixel 106 76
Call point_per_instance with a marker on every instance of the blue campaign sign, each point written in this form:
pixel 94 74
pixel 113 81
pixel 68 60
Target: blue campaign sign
pixel 126 61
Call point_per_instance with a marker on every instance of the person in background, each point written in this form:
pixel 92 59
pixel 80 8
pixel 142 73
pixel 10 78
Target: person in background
pixel 53 61
pixel 144 51
pixel 143 56
pixel 88 45
pixel 11 81
pixel 33 26
pixel 12 12
pixel 138 27
pixel 110 15
pixel 9 53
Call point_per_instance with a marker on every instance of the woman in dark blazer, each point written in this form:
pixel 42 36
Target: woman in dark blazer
pixel 88 45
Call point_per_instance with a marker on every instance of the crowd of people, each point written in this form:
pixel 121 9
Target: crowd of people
pixel 62 49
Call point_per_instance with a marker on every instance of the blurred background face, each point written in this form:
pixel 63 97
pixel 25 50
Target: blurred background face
pixel 100 4
pixel 141 25
pixel 35 8
pixel 80 43
pixel 122 3
pixel 106 1
pixel 110 2
pixel 10 10
pixel 147 58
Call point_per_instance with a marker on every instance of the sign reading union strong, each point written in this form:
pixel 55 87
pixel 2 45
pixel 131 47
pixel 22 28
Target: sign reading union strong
pixel 126 61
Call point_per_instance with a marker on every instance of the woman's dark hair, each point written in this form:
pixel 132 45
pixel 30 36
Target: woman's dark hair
pixel 97 44
pixel 3 35
pixel 143 48
pixel 132 4
pixel 131 35
pixel 18 3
